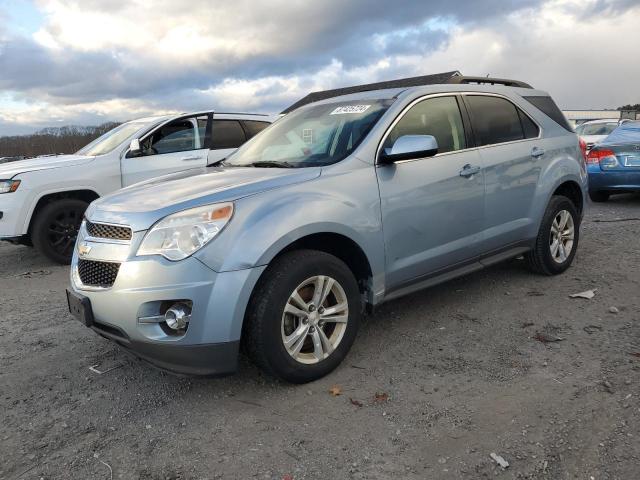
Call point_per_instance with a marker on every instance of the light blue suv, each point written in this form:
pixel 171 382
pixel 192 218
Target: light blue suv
pixel 338 206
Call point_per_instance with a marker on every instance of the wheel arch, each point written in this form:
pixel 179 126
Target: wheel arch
pixel 339 245
pixel 571 189
pixel 85 194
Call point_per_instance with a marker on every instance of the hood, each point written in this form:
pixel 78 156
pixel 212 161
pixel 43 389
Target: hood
pixel 143 204
pixel 10 169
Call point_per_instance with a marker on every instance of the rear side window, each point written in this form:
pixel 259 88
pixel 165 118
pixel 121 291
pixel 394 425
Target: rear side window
pixel 227 134
pixel 549 108
pixel 253 127
pixel 495 120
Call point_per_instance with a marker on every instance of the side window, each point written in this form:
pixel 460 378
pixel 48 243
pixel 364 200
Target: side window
pixel 530 129
pixel 439 116
pixel 495 120
pixel 254 127
pixel 227 134
pixel 177 136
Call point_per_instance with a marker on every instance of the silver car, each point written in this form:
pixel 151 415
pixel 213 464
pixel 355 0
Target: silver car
pixel 337 207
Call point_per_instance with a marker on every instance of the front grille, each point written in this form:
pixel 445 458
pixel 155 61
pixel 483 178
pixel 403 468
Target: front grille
pixel 102 230
pixel 97 274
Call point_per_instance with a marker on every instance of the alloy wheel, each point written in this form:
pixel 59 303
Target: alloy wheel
pixel 63 231
pixel 562 236
pixel 315 319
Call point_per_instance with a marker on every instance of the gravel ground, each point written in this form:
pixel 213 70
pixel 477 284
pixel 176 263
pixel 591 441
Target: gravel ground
pixel 436 382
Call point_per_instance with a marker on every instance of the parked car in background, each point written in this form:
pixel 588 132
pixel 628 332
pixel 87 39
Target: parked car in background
pixel 614 163
pixel 338 206
pixel 43 199
pixel 595 131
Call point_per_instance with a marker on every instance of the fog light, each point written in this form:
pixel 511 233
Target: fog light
pixel 177 317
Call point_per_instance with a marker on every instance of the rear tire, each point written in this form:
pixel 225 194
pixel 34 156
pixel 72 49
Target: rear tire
pixel 599 197
pixel 557 239
pixel 55 229
pixel 285 333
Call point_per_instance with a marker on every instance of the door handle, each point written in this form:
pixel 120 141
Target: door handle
pixel 189 159
pixel 469 170
pixel 537 152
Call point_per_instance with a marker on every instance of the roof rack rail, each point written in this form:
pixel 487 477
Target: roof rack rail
pixel 489 81
pixel 241 113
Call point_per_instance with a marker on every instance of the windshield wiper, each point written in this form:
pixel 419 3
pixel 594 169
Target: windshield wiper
pixel 271 164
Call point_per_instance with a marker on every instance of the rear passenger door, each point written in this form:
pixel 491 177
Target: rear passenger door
pixel 512 155
pixel 226 136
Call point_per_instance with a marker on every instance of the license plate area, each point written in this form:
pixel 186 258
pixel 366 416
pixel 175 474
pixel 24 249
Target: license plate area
pixel 80 308
pixel 632 161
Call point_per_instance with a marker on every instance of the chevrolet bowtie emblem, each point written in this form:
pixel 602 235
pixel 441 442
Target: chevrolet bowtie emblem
pixel 84 249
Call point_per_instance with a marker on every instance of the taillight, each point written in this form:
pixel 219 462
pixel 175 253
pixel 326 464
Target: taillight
pixel 583 147
pixel 605 157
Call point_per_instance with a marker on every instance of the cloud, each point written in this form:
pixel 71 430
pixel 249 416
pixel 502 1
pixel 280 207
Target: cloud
pixel 116 59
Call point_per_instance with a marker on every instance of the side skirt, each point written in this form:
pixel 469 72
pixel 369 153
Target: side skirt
pixel 466 268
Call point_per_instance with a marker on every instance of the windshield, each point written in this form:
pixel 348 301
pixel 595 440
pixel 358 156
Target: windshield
pixel 110 140
pixel 310 137
pixel 596 128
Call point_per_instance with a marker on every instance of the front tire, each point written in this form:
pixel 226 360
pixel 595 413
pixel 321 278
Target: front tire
pixel 557 239
pixel 55 229
pixel 303 316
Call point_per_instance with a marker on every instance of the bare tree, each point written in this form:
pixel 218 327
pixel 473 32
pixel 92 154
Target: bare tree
pixel 52 140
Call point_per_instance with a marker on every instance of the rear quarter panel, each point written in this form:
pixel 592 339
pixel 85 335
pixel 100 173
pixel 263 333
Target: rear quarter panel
pixel 561 163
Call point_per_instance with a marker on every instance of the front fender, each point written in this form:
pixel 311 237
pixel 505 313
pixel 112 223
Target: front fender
pixel 265 224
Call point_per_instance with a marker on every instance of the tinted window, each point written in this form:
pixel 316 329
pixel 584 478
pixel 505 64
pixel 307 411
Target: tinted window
pixel 549 107
pixel 439 116
pixel 227 134
pixel 531 130
pixel 177 136
pixel 495 120
pixel 254 127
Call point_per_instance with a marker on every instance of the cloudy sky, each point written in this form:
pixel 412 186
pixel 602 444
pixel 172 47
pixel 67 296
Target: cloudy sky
pixel 85 62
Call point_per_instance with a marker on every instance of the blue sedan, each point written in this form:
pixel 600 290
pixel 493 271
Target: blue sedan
pixel 614 163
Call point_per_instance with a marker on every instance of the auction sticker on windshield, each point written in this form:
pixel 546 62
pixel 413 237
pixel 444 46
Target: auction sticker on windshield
pixel 350 109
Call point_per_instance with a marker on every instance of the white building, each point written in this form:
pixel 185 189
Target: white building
pixel 576 117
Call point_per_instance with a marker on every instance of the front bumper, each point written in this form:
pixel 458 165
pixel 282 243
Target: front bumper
pixel 145 285
pixel 613 180
pixel 13 211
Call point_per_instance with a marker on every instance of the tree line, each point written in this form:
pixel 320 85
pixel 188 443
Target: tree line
pixel 52 140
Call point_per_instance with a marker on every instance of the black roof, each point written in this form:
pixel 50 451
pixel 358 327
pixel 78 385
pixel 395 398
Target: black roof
pixel 434 79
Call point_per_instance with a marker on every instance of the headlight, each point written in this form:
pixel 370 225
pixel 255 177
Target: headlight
pixel 8 186
pixel 182 234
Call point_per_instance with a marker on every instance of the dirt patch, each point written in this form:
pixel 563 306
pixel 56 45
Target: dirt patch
pixel 435 383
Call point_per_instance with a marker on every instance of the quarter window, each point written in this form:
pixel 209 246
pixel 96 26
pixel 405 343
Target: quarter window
pixel 439 117
pixel 497 120
pixel 227 134
pixel 530 129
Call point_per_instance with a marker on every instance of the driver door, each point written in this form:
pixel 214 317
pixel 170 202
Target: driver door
pixel 181 144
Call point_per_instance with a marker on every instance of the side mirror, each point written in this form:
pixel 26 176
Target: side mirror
pixel 134 147
pixel 409 147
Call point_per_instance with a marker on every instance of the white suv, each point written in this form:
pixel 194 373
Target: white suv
pixel 42 200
